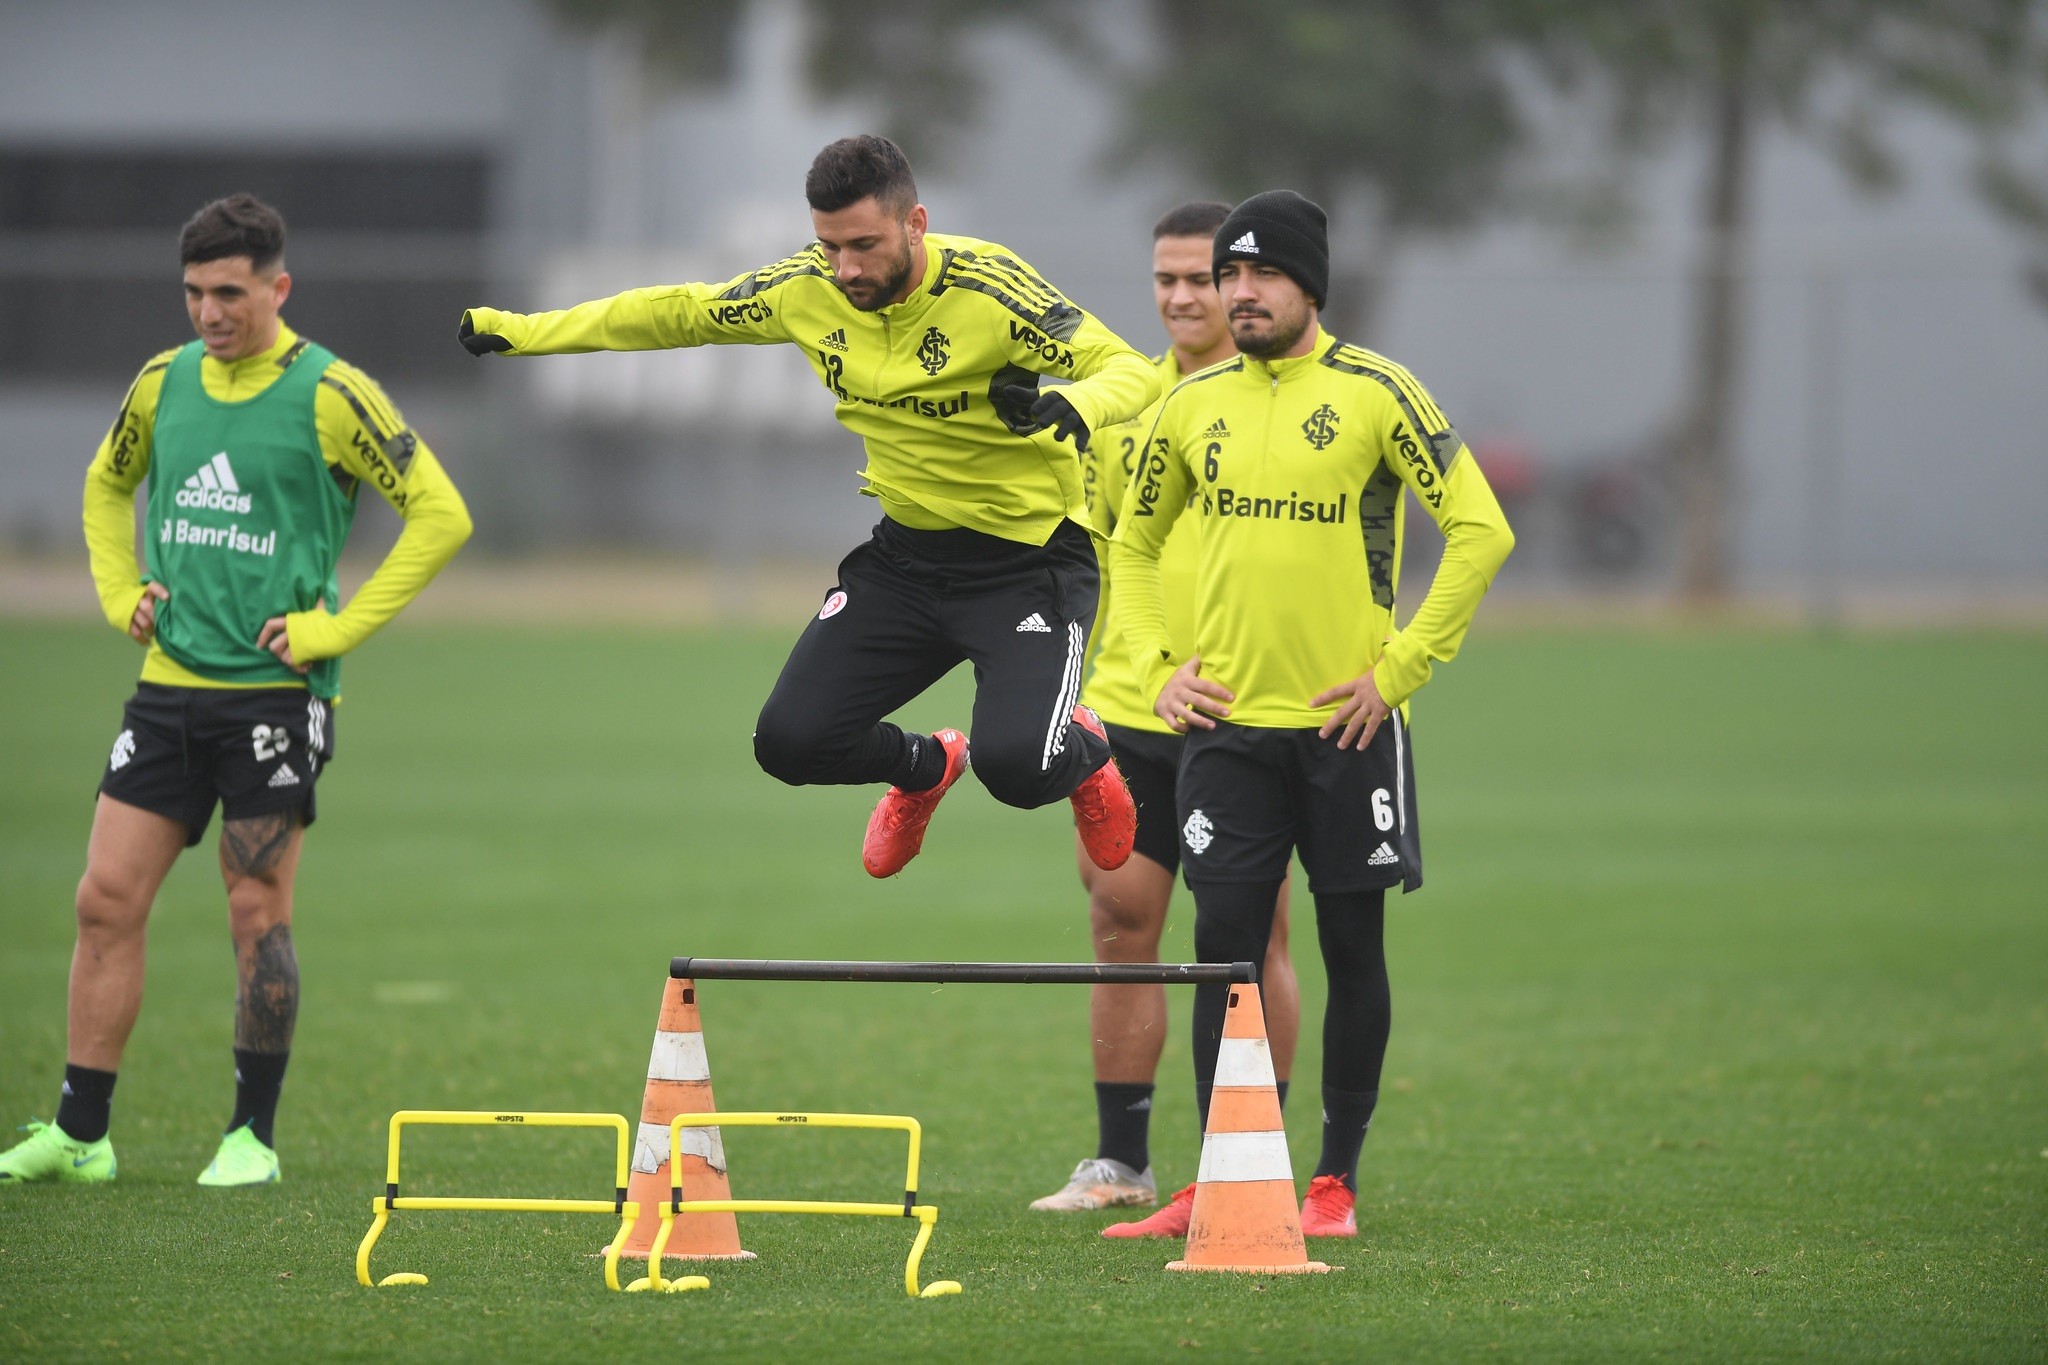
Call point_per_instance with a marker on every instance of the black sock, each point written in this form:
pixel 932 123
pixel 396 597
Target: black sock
pixel 1346 1116
pixel 1281 1086
pixel 83 1108
pixel 259 1077
pixel 921 766
pixel 1123 1120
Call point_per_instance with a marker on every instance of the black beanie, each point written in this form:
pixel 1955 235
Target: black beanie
pixel 1280 228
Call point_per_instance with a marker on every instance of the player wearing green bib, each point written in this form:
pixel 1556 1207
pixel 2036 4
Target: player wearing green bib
pixel 1127 906
pixel 256 444
pixel 1296 457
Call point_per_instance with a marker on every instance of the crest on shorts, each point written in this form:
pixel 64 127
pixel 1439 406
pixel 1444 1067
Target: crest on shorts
pixel 124 749
pixel 833 604
pixel 934 351
pixel 1199 832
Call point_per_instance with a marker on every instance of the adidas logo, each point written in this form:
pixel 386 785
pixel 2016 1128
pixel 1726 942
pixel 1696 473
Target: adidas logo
pixel 1247 244
pixel 1383 855
pixel 834 340
pixel 285 777
pixel 1216 431
pixel 214 487
pixel 1034 622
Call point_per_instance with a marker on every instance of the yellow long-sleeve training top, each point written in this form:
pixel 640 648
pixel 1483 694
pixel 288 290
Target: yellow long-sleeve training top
pixel 1296 468
pixel 363 440
pixel 921 382
pixel 1114 688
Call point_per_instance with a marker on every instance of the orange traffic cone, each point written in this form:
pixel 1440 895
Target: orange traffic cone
pixel 679 1082
pixel 1244 1216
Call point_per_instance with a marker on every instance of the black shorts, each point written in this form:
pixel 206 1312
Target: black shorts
pixel 908 606
pixel 1150 763
pixel 1250 797
pixel 254 750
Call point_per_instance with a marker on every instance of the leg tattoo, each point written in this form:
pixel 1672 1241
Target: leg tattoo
pixel 267 994
pixel 252 847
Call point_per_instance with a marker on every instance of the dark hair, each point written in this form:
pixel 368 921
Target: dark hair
pixel 239 225
pixel 855 168
pixel 1199 218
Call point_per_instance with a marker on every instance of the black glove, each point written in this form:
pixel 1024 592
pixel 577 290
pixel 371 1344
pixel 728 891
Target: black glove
pixel 1050 409
pixel 480 343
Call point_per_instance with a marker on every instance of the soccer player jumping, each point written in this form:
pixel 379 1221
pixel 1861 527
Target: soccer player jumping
pixel 256 443
pixel 1296 456
pixel 932 348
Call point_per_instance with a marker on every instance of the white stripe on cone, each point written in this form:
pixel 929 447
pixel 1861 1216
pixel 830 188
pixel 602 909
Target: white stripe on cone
pixel 1244 1062
pixel 651 1150
pixel 1245 1156
pixel 678 1057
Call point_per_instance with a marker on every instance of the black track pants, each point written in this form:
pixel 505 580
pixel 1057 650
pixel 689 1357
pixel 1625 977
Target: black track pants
pixel 1233 921
pixel 908 607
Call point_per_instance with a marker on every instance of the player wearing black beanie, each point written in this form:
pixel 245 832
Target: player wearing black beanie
pixel 1297 457
pixel 1281 229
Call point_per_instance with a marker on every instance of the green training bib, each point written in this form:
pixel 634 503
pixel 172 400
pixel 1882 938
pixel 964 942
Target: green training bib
pixel 244 522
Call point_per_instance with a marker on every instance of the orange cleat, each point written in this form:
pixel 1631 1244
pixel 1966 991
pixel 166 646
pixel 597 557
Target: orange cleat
pixel 896 829
pixel 1171 1221
pixel 1329 1210
pixel 1103 811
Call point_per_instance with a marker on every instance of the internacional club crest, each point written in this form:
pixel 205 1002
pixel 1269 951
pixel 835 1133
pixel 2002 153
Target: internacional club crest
pixel 1321 426
pixel 934 351
pixel 1199 833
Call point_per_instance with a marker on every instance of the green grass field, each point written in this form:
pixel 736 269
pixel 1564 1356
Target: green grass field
pixel 1721 1031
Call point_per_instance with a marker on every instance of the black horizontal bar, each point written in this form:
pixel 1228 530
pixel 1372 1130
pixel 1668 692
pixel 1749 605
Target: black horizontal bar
pixel 1015 973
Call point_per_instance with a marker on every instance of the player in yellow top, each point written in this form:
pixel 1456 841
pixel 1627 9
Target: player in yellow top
pixel 256 443
pixel 932 347
pixel 1127 907
pixel 1295 457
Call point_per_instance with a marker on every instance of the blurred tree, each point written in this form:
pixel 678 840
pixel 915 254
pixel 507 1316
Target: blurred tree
pixel 913 59
pixel 1397 116
pixel 1723 70
pixel 909 57
pixel 688 40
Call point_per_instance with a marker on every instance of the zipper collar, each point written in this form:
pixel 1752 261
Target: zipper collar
pixel 1274 373
pixel 232 381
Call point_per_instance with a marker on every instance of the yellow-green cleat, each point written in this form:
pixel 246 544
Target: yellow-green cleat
pixel 241 1160
pixel 47 1154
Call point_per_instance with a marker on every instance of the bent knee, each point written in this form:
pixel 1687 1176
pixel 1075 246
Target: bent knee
pixel 789 750
pixel 107 906
pixel 1015 776
pixel 1125 913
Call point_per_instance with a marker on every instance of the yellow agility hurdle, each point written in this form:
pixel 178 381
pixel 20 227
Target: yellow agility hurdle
pixel 926 1215
pixel 390 1201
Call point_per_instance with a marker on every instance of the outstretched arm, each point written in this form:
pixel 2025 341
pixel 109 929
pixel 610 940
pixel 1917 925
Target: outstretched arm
pixel 660 317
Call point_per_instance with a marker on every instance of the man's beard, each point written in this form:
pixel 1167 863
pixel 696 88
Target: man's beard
pixel 1275 345
pixel 877 295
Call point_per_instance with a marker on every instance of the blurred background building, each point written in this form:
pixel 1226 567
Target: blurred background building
pixel 1611 282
